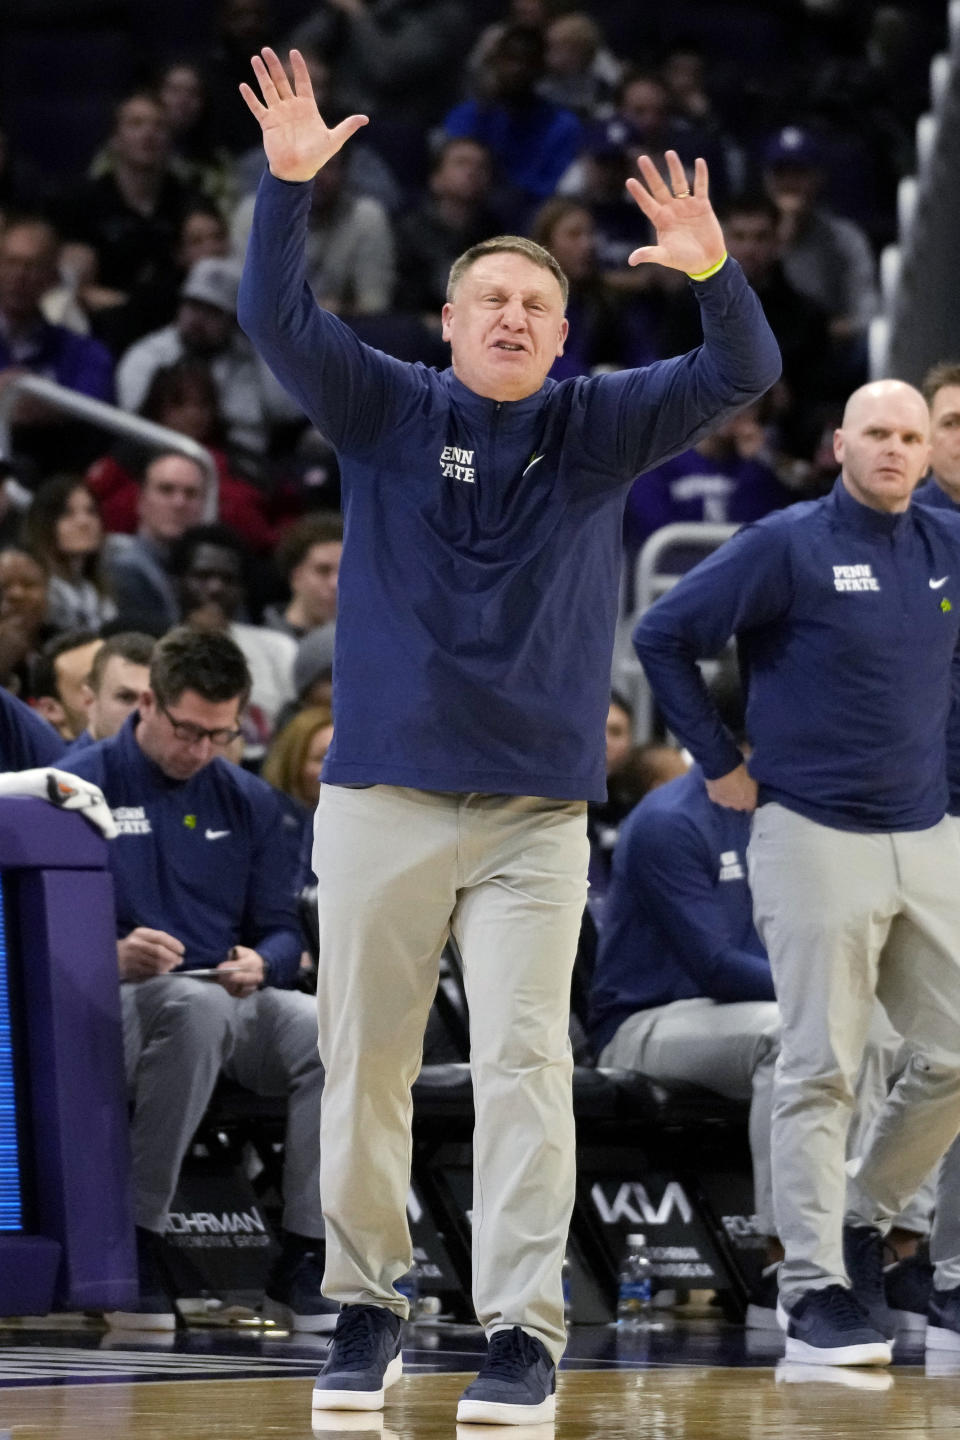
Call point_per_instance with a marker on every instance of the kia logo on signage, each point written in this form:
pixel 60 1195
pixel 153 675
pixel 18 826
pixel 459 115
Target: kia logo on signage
pixel 631 1203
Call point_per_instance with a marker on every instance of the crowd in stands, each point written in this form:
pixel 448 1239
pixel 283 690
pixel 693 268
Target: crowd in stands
pixel 120 280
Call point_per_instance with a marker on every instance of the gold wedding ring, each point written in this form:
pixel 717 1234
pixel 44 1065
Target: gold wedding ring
pixel 682 195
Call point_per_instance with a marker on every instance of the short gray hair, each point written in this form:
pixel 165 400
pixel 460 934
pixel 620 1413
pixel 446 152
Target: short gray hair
pixel 511 245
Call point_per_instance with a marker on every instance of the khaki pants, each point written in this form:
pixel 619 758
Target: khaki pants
pixel 398 870
pixel 847 918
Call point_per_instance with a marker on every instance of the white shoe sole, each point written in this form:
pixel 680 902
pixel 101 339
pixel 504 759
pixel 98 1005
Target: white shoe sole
pixel 937 1338
pixel 790 1373
pixel 484 1412
pixel 131 1320
pixel 286 1319
pixel 359 1399
pixel 804 1354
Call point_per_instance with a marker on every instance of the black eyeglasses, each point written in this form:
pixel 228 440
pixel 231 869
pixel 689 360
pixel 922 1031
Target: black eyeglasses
pixel 192 734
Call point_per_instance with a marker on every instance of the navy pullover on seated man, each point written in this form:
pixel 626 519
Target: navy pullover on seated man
pixel 204 877
pixel 478 597
pixel 846 611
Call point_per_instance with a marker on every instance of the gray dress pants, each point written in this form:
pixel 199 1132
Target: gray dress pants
pixel 178 1035
pixel 848 918
pixel 398 870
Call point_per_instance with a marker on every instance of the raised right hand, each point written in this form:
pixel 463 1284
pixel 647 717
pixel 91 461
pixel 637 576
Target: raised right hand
pixel 295 140
pixel 145 953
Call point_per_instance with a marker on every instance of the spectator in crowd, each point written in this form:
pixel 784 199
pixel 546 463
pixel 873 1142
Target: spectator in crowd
pixel 455 214
pixel 24 627
pixel 579 73
pixel 204 235
pixel 607 330
pixel 606 159
pixel 533 140
pixel 57 679
pixel 215 895
pixel 210 566
pixel 351 259
pixel 296 757
pixel 844 600
pixel 941 390
pixel 63 530
pixel 312 672
pixel 309 560
pixel 811 377
pixel 202 165
pixel 122 226
pixel 172 498
pixel 206 329
pixel 398 59
pixel 184 397
pixel 119 674
pixel 826 258
pixel 724 480
pixel 643 104
pixel 29 344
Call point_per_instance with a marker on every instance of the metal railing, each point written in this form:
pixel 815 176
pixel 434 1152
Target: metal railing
pixel 108 417
pixel 649 583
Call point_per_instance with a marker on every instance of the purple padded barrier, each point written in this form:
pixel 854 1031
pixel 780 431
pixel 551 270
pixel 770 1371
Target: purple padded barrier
pixel 61 907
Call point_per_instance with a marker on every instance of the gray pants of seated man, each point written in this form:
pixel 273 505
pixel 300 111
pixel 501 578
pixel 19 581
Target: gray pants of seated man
pixel 733 1050
pixel 848 918
pixel 398 869
pixel 179 1035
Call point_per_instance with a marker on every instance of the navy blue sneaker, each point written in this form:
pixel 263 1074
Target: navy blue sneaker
pixel 908 1285
pixel 943 1320
pixel 863 1257
pixel 830 1327
pixel 292 1297
pixel 156 1307
pixel 516 1385
pixel 364 1360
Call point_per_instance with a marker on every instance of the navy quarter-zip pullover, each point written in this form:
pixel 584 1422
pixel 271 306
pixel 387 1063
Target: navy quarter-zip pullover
pixel 478 588
pixel 27 740
pixel 678 917
pixel 932 494
pixel 209 860
pixel 847 621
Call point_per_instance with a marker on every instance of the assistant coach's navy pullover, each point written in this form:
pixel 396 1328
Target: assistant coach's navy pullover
pixel 847 621
pixel 209 860
pixel 678 916
pixel 478 589
pixel 932 494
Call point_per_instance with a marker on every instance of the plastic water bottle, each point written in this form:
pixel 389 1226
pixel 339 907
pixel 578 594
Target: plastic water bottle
pixel 635 1283
pixel 566 1275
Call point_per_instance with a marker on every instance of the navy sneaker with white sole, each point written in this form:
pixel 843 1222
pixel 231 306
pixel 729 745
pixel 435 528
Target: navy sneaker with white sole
pixel 943 1321
pixel 364 1360
pixel 831 1327
pixel 516 1384
pixel 863 1255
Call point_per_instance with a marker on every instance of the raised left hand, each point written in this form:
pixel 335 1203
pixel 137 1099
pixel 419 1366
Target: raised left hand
pixel 689 237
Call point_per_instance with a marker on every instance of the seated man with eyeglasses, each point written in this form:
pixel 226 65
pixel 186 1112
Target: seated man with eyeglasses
pixel 205 878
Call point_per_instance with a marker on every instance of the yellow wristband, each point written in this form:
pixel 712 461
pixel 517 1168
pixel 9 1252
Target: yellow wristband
pixel 705 274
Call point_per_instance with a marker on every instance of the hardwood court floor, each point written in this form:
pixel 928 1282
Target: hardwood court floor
pixel 598 1399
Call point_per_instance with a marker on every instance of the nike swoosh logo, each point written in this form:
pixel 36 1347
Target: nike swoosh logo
pixel 535 461
pixel 935 584
pixel 216 834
